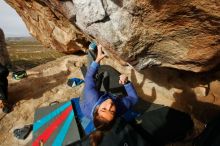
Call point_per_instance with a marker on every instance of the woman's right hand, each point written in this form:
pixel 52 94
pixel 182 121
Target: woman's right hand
pixel 123 79
pixel 100 54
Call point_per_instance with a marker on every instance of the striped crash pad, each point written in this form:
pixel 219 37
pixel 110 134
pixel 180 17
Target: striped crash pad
pixel 55 125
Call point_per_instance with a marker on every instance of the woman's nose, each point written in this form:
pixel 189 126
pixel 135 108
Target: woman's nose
pixel 109 106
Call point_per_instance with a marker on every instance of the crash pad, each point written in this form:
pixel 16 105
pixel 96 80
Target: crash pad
pixel 55 125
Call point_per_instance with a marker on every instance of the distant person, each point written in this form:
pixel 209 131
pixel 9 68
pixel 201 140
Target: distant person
pixel 4 89
pixel 104 107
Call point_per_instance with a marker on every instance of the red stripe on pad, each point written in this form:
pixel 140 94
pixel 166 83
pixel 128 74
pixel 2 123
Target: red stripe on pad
pixel 52 127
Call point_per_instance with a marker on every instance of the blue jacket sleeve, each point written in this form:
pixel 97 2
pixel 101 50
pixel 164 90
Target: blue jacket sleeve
pixel 131 98
pixel 91 95
pixel 90 90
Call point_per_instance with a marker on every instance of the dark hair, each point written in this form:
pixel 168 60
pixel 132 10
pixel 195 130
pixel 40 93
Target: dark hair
pixel 102 126
pixel 96 137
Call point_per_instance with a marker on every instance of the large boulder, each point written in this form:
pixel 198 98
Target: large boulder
pixel 4 57
pixel 178 34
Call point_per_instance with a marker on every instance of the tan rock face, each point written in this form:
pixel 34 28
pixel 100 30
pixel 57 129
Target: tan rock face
pixel 178 34
pixel 49 27
pixel 4 57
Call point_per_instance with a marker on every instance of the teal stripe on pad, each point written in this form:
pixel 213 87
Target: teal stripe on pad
pixel 61 136
pixel 38 124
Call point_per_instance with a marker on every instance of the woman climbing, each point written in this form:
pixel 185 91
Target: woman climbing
pixel 104 107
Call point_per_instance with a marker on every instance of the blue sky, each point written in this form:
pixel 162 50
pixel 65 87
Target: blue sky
pixel 10 21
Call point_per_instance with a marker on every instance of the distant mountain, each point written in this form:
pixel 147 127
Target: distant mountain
pixel 18 39
pixel 22 41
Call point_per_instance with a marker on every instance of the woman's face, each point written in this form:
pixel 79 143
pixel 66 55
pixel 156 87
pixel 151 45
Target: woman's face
pixel 107 110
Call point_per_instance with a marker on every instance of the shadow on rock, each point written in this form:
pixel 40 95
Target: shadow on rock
pixel 35 87
pixel 203 104
pixel 202 111
pixel 140 91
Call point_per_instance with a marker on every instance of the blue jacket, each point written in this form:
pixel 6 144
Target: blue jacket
pixel 92 97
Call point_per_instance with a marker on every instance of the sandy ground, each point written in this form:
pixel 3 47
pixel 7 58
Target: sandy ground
pixel 44 84
pixel 47 83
